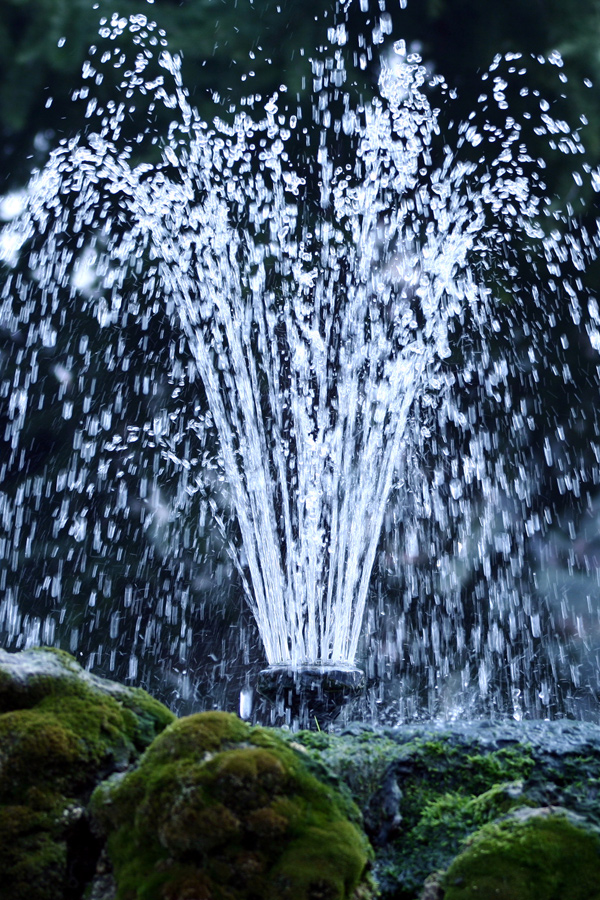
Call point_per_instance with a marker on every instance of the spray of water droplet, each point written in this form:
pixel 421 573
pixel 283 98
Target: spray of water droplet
pixel 329 334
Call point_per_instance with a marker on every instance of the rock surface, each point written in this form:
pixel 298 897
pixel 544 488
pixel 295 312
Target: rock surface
pixel 105 796
pixel 432 796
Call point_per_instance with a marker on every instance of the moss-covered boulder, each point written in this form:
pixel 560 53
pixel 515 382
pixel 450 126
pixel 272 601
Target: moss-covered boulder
pixel 218 810
pixel 62 731
pixel 533 854
pixel 443 803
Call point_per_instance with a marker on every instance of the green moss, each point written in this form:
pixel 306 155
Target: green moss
pixel 447 791
pixel 67 737
pixel 450 765
pixel 447 819
pixel 424 792
pixel 444 790
pixel 359 765
pixel 46 675
pixel 508 764
pixel 207 734
pixel 32 856
pixel 539 855
pixel 151 716
pixel 322 862
pixel 61 732
pixel 228 811
pixel 314 740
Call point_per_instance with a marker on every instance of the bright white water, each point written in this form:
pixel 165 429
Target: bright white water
pixel 336 332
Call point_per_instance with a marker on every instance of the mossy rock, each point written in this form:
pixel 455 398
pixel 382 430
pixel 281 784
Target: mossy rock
pixel 219 810
pixel 425 790
pixel 422 794
pixel 534 854
pixel 62 731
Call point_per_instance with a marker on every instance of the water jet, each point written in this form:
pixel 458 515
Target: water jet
pixel 340 335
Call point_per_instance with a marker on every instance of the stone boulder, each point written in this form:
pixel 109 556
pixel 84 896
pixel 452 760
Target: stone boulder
pixel 527 855
pixel 62 731
pixel 218 810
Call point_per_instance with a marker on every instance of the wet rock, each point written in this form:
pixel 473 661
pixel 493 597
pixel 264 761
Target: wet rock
pixel 433 889
pixel 105 796
pixel 426 791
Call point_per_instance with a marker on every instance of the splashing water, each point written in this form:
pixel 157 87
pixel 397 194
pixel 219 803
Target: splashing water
pixel 326 332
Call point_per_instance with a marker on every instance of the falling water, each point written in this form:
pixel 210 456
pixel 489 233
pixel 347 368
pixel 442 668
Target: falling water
pixel 340 313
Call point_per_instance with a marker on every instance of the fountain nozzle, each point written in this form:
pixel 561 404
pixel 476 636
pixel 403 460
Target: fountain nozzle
pixel 316 690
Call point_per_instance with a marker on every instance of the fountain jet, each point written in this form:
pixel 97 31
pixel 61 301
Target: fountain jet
pixel 320 326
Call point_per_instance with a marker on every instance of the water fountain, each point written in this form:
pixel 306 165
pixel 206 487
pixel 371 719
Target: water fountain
pixel 329 330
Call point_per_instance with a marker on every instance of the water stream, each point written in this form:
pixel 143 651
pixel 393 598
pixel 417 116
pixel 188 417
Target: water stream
pixel 350 370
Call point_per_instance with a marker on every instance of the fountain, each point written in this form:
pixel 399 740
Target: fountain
pixel 331 308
